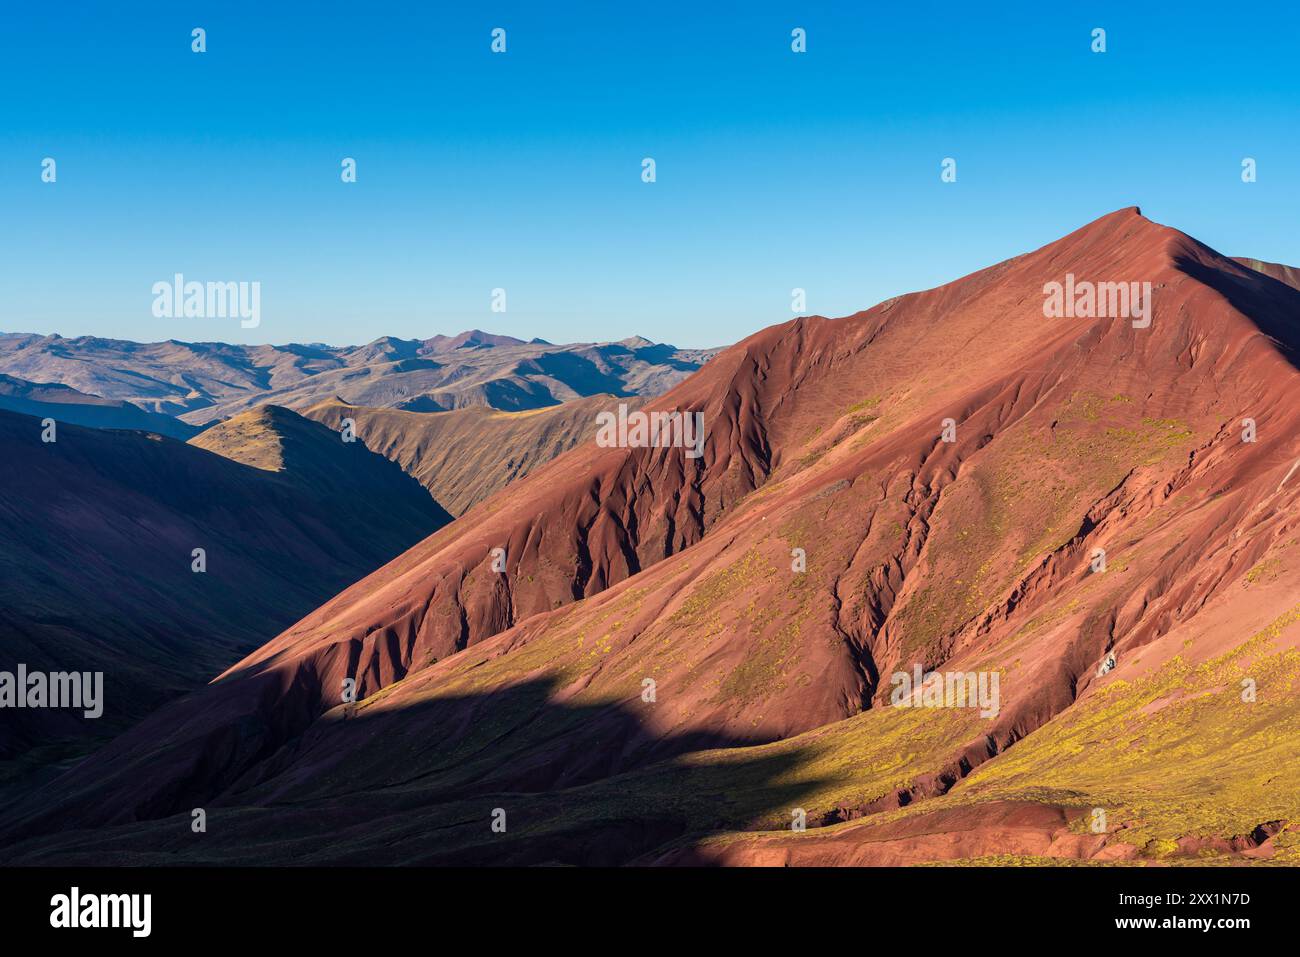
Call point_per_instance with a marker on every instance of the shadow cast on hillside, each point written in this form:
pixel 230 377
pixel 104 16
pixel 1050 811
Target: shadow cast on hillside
pixel 1271 304
pixel 662 354
pixel 380 784
pixel 580 374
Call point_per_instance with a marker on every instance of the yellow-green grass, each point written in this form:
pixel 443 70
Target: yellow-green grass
pixel 1174 754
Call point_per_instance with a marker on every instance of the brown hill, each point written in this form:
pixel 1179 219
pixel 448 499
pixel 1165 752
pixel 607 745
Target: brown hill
pixel 1287 274
pixel 98 530
pixel 463 457
pixel 771 683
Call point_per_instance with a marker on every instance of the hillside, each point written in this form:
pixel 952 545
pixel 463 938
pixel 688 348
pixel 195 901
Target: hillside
pixel 65 404
pixel 465 456
pixel 98 531
pixel 772 682
pixel 1287 274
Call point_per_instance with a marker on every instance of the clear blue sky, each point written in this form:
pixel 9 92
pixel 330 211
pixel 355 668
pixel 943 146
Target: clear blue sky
pixel 522 170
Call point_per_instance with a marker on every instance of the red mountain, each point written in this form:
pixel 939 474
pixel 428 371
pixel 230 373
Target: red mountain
pixel 684 655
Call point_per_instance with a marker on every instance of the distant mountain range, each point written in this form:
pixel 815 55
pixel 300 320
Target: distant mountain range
pixel 201 382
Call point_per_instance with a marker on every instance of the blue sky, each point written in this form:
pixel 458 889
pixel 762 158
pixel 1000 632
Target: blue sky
pixel 522 171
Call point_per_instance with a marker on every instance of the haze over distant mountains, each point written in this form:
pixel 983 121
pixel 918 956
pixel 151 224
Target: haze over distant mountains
pixel 201 382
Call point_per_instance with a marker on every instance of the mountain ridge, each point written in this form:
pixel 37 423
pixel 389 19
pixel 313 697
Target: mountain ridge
pixel 199 383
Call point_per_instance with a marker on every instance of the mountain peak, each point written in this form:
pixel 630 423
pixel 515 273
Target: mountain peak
pixel 636 342
pixel 471 339
pixel 1125 216
pixel 255 437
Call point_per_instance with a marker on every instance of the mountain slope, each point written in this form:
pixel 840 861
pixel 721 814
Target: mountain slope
pixel 98 530
pixel 463 457
pixel 772 683
pixel 1287 274
pixel 65 404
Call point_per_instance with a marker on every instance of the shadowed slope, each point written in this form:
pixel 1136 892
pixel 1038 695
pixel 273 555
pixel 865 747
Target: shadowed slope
pixel 99 528
pixel 348 475
pixel 65 404
pixel 439 806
